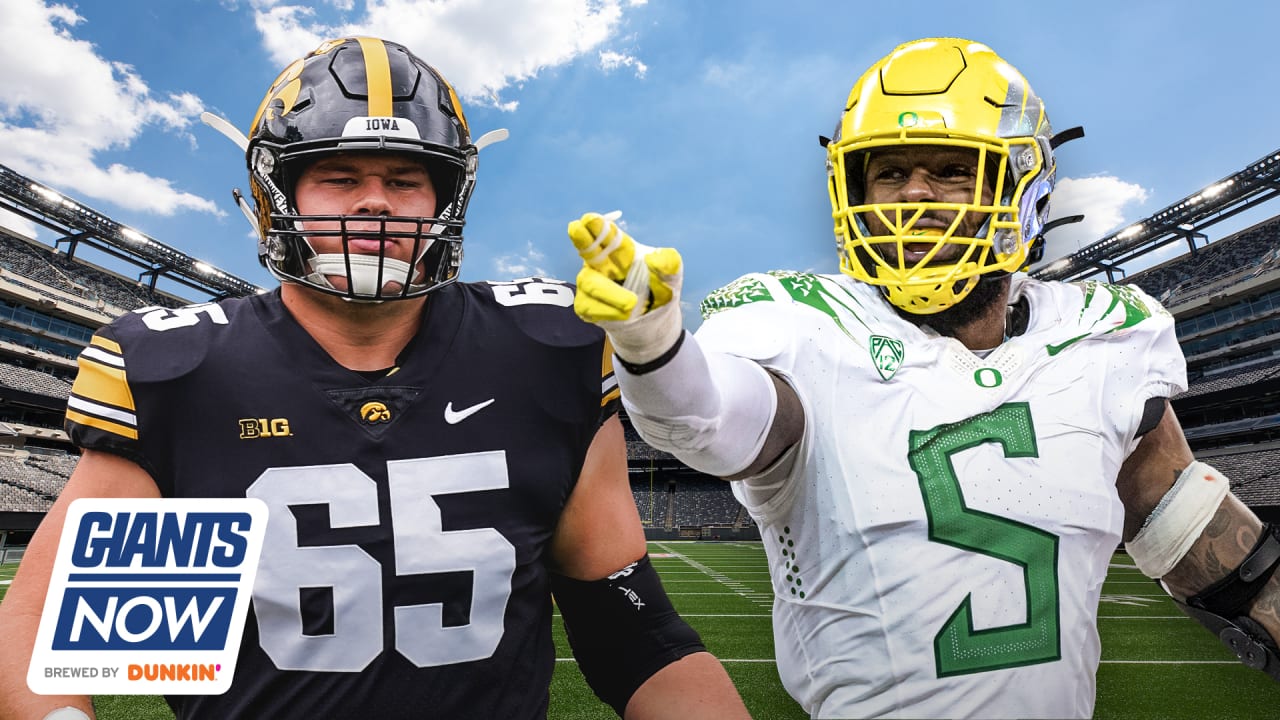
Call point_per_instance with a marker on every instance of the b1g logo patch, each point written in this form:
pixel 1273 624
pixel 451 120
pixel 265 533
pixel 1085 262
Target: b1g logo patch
pixel 148 597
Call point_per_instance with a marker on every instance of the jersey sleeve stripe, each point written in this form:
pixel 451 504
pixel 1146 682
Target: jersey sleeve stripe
pixel 103 411
pixel 104 384
pixel 101 424
pixel 609 391
pixel 103 357
pixel 106 344
pixel 606 358
pixel 610 397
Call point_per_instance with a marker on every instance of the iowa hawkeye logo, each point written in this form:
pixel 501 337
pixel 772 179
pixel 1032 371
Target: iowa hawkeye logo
pixel 148 596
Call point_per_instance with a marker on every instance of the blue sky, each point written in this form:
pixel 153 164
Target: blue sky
pixel 698 119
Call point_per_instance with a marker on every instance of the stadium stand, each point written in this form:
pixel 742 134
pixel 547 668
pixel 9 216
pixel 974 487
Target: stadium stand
pixel 1225 299
pixel 1224 295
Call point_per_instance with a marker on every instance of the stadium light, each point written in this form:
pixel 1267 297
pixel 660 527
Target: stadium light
pixel 1216 190
pixel 1130 231
pixel 131 234
pixel 46 193
pixel 1187 226
pixel 204 267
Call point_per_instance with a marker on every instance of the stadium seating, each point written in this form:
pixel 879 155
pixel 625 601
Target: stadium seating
pixel 76 279
pixel 34 381
pixel 704 502
pixel 1235 378
pixel 1219 264
pixel 1255 475
pixel 19 499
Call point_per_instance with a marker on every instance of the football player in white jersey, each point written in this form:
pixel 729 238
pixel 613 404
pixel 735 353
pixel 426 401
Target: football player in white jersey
pixel 942 454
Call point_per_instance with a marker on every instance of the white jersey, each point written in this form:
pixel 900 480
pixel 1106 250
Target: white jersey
pixel 937 548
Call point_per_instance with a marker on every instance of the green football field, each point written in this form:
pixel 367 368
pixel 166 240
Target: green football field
pixel 1156 663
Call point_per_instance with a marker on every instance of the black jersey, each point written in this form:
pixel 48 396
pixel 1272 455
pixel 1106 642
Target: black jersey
pixel 403 572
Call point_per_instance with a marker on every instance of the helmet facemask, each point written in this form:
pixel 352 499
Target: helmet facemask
pixel 436 241
pixel 945 94
pixel 962 252
pixel 361 96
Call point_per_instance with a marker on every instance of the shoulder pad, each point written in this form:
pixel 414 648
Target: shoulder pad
pixel 542 308
pixel 160 344
pixel 1089 310
pixel 1120 306
pixel 767 307
pixel 781 286
pixel 746 289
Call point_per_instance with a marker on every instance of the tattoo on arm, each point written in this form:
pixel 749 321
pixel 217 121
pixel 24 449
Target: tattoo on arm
pixel 1225 543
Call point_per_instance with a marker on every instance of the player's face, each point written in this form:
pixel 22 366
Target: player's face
pixel 924 174
pixel 370 185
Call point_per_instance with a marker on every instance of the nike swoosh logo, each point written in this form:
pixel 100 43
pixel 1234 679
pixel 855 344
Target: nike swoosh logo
pixel 453 417
pixel 1055 349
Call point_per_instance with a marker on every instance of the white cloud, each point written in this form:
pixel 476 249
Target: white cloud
pixel 612 61
pixel 482 46
pixel 61 104
pixel 1102 200
pixel 530 263
pixel 17 224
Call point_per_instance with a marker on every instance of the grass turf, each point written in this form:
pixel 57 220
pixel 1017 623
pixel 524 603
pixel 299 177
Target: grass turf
pixel 1156 663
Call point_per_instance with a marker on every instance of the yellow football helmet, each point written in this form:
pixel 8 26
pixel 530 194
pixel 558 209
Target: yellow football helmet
pixel 953 93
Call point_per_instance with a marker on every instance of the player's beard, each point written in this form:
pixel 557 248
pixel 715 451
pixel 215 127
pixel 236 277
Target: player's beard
pixel 976 304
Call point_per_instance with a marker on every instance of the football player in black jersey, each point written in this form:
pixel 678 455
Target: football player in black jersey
pixel 437 457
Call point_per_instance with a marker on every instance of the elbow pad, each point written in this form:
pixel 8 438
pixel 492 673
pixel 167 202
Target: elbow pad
pixel 622 629
pixel 1223 606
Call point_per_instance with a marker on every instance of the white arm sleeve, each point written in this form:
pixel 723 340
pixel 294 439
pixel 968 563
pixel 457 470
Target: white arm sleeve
pixel 710 409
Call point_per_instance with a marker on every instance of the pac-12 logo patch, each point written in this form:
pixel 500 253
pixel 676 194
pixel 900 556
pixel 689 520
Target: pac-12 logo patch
pixel 148 597
pixel 886 354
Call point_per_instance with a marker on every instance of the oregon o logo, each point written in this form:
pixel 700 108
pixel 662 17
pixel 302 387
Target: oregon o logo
pixel 988 377
pixel 375 412
pixel 908 119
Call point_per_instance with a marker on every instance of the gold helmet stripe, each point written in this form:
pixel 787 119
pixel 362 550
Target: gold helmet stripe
pixel 457 106
pixel 377 68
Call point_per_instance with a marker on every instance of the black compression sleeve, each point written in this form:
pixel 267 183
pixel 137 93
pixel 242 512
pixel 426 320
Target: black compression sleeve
pixel 623 629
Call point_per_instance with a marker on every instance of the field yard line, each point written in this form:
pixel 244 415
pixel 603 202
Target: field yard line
pixel 763 599
pixel 771 661
pixel 747 595
pixel 1170 662
pixel 755 615
pixel 1104 662
pixel 699 572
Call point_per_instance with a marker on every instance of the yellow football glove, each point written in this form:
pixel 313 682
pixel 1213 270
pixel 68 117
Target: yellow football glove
pixel 629 289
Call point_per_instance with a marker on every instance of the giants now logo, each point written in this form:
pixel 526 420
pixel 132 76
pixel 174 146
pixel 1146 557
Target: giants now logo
pixel 135 580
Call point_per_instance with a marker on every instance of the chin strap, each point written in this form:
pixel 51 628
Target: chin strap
pixel 364 272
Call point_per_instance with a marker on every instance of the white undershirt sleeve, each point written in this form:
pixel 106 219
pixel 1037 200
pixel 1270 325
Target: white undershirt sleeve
pixel 711 410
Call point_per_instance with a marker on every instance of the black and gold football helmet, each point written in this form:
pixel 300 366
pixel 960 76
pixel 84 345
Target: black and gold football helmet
pixel 360 94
